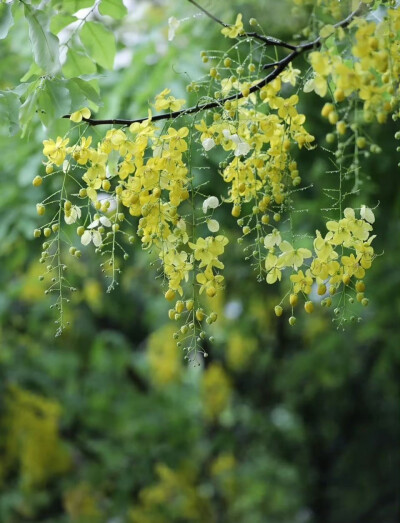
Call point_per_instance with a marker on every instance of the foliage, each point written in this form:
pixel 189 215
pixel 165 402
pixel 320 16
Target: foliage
pixel 279 423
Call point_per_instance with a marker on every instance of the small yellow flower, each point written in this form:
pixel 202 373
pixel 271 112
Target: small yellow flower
pixel 234 30
pixel 77 116
pixel 290 75
pixel 352 266
pixel 302 282
pixel 292 257
pixel 165 102
pixel 55 150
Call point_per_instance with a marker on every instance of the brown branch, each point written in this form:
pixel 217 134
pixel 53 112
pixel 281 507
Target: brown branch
pixel 280 66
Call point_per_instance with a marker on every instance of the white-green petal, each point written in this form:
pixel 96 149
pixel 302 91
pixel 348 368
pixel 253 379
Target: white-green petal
pixel 86 238
pixel 367 214
pixel 213 225
pixel 96 237
pixel 208 144
pixel 105 221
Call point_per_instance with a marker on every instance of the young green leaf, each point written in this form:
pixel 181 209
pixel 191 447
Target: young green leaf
pixel 114 8
pixel 87 90
pixel 44 44
pixel 58 22
pixel 72 6
pixel 6 20
pixel 28 108
pixel 78 64
pixel 34 70
pixel 99 43
pixel 9 108
pixel 54 100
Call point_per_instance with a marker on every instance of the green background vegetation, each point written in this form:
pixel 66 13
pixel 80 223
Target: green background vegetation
pixel 107 423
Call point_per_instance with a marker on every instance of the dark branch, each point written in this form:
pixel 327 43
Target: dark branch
pixel 272 64
pixel 269 40
pixel 280 66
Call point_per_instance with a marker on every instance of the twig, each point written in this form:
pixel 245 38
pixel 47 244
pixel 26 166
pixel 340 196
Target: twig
pixel 268 40
pixel 207 13
pixel 272 64
pixel 280 66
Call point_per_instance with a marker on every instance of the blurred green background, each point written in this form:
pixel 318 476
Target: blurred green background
pixel 108 423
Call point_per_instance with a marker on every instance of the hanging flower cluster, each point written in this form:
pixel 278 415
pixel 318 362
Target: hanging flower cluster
pixel 260 143
pixel 371 72
pixel 339 262
pixel 139 180
pixel 141 170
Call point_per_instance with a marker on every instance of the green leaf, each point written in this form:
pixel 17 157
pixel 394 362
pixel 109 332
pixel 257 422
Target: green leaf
pixel 6 20
pixel 58 22
pixel 28 108
pixel 99 43
pixel 9 109
pixel 34 70
pixel 71 6
pixel 54 100
pixel 78 64
pixel 114 8
pixel 87 90
pixel 44 44
pixel 78 97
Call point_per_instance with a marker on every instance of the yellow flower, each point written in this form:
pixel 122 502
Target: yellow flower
pixel 291 256
pixel 317 84
pixel 286 106
pixel 77 116
pixel 234 30
pixel 323 248
pixel 352 266
pixel 290 75
pixel 176 267
pixel 176 139
pixel 272 239
pixel 55 150
pixel 165 102
pixel 341 230
pixel 320 63
pixel 302 282
pixel 209 282
pixel 323 269
pixel 366 253
pixel 82 152
pixel 207 250
pixel 273 267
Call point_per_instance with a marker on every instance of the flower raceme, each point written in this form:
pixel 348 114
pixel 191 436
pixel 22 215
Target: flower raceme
pixel 142 174
pixel 328 267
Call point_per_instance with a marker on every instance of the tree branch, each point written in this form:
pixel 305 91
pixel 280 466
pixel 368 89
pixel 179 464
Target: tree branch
pixel 280 66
